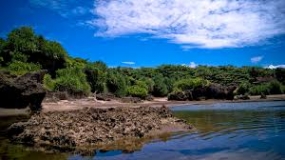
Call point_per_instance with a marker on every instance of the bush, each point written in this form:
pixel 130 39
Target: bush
pixel 49 83
pixel 243 88
pixel 73 81
pixel 116 84
pixel 21 68
pixel 190 84
pixel 259 89
pixel 137 91
pixel 275 87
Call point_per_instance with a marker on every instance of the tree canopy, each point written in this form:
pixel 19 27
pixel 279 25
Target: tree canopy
pixel 24 51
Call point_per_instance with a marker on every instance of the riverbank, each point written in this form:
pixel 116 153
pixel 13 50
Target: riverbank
pixel 95 128
pixel 67 105
pixel 157 102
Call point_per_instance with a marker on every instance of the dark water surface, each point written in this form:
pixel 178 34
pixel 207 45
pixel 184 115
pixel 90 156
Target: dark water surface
pixel 253 130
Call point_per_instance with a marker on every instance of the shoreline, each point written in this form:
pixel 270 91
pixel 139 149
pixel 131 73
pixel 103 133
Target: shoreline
pixel 75 104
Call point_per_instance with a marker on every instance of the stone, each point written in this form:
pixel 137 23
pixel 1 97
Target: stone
pixel 21 92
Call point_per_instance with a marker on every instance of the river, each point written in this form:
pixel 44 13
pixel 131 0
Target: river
pixel 251 130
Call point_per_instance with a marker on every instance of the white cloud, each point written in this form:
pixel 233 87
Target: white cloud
pixel 193 65
pixel 256 59
pixel 275 66
pixel 196 23
pixel 129 63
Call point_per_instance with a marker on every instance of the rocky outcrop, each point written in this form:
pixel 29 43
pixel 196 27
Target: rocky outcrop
pixel 21 92
pixel 217 91
pixel 92 126
pixel 213 91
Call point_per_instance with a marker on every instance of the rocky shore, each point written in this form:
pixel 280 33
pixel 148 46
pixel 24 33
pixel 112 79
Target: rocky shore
pixel 94 128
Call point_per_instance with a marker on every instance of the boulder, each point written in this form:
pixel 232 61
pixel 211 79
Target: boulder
pixel 179 96
pixel 217 91
pixel 21 92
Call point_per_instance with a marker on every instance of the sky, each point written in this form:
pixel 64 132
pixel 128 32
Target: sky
pixel 148 33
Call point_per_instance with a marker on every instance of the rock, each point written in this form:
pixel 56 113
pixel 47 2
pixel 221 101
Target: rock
pixel 131 100
pixel 179 96
pixel 263 96
pixel 217 91
pixel 242 97
pixel 91 126
pixel 105 96
pixel 21 92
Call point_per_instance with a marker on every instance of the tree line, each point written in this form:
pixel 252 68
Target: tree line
pixel 24 51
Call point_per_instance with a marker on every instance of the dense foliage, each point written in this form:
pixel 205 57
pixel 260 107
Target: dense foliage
pixel 24 51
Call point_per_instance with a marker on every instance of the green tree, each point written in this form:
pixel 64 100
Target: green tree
pixel 160 88
pixel 190 84
pixel 275 87
pixel 280 75
pixel 96 78
pixel 116 83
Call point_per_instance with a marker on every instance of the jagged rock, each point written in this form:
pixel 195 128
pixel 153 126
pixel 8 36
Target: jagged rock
pixel 91 126
pixel 21 92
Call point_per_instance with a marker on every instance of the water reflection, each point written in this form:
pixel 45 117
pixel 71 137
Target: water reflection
pixel 223 131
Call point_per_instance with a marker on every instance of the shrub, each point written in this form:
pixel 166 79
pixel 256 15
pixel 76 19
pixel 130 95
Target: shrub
pixel 189 84
pixel 243 88
pixel 116 84
pixel 259 89
pixel 73 81
pixel 137 91
pixel 21 68
pixel 275 87
pixel 49 83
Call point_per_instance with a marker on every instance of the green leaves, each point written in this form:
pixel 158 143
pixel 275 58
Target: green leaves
pixel 21 68
pixel 137 91
pixel 73 81
pixel 190 84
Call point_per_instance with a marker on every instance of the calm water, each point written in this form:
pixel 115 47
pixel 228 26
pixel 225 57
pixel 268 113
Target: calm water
pixel 253 130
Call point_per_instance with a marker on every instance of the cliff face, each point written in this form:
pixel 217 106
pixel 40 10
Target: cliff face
pixel 21 92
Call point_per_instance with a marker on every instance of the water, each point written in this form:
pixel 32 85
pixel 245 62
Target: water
pixel 254 130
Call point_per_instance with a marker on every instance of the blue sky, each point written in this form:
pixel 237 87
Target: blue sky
pixel 137 33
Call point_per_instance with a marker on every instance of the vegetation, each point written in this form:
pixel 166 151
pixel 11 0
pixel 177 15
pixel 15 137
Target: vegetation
pixel 23 51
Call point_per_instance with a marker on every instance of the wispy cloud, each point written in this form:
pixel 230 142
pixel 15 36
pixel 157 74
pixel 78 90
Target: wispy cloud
pixel 275 66
pixel 129 63
pixel 196 23
pixel 65 8
pixel 256 59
